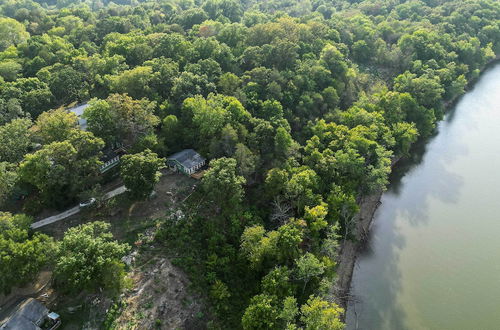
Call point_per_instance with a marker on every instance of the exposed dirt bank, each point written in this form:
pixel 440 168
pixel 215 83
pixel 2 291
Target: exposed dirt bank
pixel 161 299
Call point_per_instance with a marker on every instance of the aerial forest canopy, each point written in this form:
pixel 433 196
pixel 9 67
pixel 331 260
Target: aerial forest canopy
pixel 301 106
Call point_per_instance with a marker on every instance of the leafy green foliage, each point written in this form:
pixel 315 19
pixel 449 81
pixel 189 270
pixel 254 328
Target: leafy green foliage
pixel 55 125
pixel 303 105
pixel 120 118
pixel 89 259
pixel 221 183
pixel 21 255
pixel 15 140
pixel 320 314
pixel 8 179
pixel 61 170
pixel 140 173
pixel 12 32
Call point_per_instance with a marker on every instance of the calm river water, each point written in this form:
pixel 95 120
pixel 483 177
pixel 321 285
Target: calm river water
pixel 433 259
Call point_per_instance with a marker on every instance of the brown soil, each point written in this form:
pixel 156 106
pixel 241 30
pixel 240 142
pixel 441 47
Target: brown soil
pixel 160 299
pixel 127 217
pixel 160 290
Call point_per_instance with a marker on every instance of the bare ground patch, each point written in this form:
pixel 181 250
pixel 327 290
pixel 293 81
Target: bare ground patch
pixel 160 299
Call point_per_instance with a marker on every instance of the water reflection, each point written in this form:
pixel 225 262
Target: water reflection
pixel 438 186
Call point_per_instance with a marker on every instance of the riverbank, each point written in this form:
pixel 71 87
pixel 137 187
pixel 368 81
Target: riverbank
pixel 368 206
pixel 350 249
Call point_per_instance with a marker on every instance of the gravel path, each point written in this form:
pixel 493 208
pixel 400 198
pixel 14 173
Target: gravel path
pixel 73 210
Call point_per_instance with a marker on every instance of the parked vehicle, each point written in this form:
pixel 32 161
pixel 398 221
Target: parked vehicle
pixel 87 203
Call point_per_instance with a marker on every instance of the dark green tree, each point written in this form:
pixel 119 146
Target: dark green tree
pixel 141 172
pixel 89 259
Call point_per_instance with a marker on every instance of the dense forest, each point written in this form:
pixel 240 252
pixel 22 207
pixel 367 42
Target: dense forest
pixel 300 106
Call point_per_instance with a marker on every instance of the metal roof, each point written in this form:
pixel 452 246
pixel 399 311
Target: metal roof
pixel 188 158
pixel 78 111
pixel 53 316
pixel 27 316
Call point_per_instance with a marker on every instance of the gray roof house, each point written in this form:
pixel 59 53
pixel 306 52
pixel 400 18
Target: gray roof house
pixel 78 111
pixel 186 161
pixel 31 315
pixel 111 156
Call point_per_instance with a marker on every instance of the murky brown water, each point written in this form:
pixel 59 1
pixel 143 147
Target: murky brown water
pixel 433 260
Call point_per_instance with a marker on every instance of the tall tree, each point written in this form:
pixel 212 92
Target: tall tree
pixel 321 314
pixel 89 259
pixel 8 180
pixel 61 170
pixel 222 185
pixel 22 255
pixel 120 118
pixel 55 125
pixel 11 33
pixel 141 172
pixel 15 140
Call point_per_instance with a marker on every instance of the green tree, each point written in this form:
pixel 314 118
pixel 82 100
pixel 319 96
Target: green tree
pixel 308 268
pixel 11 33
pixel 15 140
pixel 246 159
pixel 255 245
pixel 61 170
pixel 302 187
pixel 319 314
pixel 121 119
pixel 9 70
pixel 229 83
pixel 283 144
pixel 8 180
pixel 22 255
pixel 289 237
pixel 66 84
pixel 405 135
pixel 209 116
pixel 261 313
pixel 89 259
pixel 141 172
pixel 171 132
pixel 316 217
pixel 10 110
pixel 278 282
pixel 137 82
pixel 427 90
pixel 222 185
pixel 55 125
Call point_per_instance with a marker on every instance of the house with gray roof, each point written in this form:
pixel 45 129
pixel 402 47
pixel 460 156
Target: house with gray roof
pixel 31 314
pixel 186 161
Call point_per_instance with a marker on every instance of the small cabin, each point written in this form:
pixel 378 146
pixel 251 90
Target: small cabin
pixel 31 314
pixel 186 161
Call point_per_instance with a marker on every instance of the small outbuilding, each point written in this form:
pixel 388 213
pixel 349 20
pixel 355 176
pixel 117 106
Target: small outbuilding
pixel 186 161
pixel 31 314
